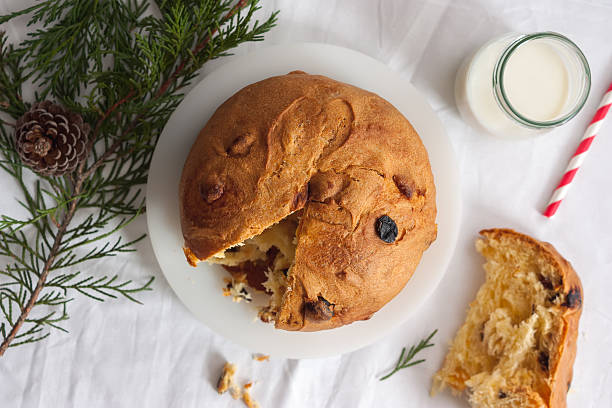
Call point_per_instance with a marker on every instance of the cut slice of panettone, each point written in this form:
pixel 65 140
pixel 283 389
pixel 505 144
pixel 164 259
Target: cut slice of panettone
pixel 517 346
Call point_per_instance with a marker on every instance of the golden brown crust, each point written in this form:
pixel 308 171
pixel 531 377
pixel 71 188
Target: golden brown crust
pixel 345 157
pixel 190 256
pixel 560 374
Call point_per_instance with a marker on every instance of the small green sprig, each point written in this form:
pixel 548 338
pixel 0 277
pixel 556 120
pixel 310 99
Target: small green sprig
pixel 405 359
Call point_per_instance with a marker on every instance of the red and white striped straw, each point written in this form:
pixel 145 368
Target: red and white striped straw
pixel 581 152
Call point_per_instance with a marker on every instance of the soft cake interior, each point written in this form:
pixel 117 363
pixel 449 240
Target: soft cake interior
pixel 512 330
pixel 265 262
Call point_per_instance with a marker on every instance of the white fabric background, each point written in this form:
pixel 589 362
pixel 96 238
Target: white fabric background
pixel 122 355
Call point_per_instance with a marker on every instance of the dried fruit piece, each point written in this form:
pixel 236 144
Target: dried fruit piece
pixel 386 229
pixel 211 193
pixel 320 309
pixel 573 299
pixel 543 359
pixel 403 185
pixel 255 271
pixel 242 145
pixel 546 282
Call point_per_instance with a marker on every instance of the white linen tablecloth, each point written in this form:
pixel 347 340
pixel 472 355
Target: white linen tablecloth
pixel 119 354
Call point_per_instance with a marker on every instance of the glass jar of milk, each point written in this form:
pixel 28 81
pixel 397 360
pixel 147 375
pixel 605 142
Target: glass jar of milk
pixel 520 85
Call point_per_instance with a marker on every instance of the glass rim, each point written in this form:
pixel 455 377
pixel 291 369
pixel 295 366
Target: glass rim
pixel 500 92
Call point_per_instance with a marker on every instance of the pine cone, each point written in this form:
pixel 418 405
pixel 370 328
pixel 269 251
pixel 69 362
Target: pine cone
pixel 51 140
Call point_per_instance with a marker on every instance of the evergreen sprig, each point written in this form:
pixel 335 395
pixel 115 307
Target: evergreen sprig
pixel 123 66
pixel 405 359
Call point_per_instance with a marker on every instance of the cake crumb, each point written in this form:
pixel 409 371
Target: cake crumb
pixel 227 378
pixel 226 383
pixel 266 314
pixel 261 357
pixel 248 401
pixel 237 290
pixel 234 391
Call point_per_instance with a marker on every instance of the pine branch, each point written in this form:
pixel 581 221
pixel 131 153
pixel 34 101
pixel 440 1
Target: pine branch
pixel 27 308
pixel 198 48
pixel 123 72
pixel 4 19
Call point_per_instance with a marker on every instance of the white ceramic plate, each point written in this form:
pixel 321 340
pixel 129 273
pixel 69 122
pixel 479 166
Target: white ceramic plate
pixel 200 288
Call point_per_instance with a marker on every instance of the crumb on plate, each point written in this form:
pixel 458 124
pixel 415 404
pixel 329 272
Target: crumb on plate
pixel 237 290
